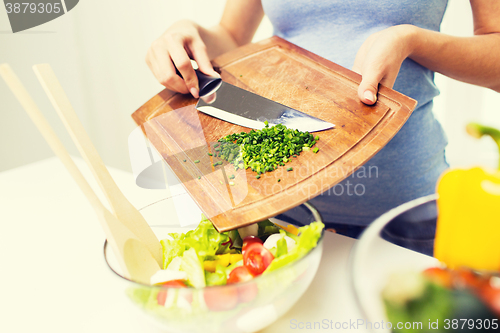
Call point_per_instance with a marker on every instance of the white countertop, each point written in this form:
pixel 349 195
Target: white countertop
pixel 54 277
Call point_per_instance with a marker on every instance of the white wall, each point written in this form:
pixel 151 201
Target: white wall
pixel 97 50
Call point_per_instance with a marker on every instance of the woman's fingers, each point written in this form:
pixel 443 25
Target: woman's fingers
pixel 372 78
pixel 379 60
pixel 182 62
pixel 166 74
pixel 368 88
pixel 169 58
pixel 200 55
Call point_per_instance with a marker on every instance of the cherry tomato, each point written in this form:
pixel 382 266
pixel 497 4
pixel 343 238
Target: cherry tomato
pixel 249 240
pixel 162 295
pixel 439 276
pixel 221 298
pixel 491 296
pixel 239 274
pixel 256 258
pixel 465 278
pixel 161 298
pixel 247 292
pixel 174 284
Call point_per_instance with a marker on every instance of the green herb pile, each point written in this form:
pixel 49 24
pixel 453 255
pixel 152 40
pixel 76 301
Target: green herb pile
pixel 264 150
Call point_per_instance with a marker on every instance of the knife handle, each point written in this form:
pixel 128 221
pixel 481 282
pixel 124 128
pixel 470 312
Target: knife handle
pixel 207 84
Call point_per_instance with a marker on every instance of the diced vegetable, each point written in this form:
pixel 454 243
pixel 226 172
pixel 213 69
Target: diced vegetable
pixel 221 260
pixel 191 264
pixel 166 275
pixel 308 238
pixel 264 150
pixel 239 274
pixel 162 295
pixel 256 258
pixel 289 228
pixel 235 257
pixel 267 228
pixel 272 241
pixel 250 240
pixel 249 230
pixel 282 247
pixel 205 240
pixel 216 278
pixel 220 299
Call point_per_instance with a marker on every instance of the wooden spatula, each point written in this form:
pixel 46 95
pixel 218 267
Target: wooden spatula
pixel 132 254
pixel 121 207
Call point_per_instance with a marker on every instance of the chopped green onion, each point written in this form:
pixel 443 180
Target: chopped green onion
pixel 264 150
pixel 196 161
pixel 315 150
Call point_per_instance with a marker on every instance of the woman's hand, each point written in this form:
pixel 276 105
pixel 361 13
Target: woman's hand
pixel 379 59
pixel 174 49
pixel 186 40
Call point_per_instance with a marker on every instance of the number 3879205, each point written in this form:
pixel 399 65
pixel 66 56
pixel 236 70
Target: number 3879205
pixel 32 8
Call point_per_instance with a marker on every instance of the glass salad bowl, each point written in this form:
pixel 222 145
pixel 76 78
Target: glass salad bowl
pixel 241 307
pixel 399 286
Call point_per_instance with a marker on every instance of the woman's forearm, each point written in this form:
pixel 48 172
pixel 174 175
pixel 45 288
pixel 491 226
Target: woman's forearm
pixel 474 60
pixel 217 40
pixel 237 27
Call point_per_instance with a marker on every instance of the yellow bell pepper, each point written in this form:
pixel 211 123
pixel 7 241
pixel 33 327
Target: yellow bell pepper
pixel 222 260
pixel 290 228
pixel 468 225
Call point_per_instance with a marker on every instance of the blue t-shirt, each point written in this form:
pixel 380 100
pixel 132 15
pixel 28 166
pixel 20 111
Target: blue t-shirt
pixel 409 166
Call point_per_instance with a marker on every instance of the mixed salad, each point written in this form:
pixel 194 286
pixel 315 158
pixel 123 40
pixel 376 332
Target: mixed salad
pixel 451 299
pixel 203 257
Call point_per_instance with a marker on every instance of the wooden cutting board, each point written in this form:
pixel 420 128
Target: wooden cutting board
pixel 288 74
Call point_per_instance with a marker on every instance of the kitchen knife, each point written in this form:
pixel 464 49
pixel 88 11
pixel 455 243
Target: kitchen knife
pixel 241 107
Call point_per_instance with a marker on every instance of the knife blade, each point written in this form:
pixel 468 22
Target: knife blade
pixel 241 107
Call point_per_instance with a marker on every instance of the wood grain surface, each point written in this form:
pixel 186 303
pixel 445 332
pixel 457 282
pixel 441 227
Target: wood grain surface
pixel 288 74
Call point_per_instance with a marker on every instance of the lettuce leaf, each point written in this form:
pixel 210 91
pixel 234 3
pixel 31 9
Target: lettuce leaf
pixel 217 278
pixel 205 240
pixel 193 267
pixel 281 246
pixel 172 248
pixel 266 228
pixel 306 241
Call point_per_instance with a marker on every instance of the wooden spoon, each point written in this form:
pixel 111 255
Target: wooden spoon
pixel 132 254
pixel 122 208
